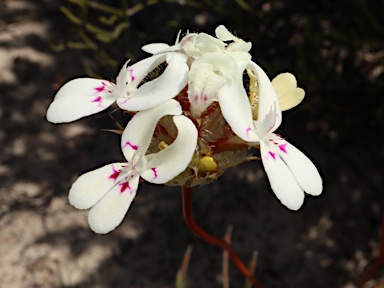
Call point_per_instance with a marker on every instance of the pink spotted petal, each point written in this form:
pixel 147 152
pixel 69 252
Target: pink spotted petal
pixel 110 211
pixel 303 169
pixel 267 96
pixel 168 163
pixel 283 182
pixel 90 187
pixel 79 98
pixel 138 133
pixel 156 91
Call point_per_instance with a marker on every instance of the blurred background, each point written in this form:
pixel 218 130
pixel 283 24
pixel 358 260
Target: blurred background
pixel 336 50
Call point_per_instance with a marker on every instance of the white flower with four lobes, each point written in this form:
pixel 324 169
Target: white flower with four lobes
pixel 86 96
pixel 289 171
pixel 110 190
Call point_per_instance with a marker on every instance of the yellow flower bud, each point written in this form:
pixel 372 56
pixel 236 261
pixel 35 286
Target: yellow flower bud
pixel 207 165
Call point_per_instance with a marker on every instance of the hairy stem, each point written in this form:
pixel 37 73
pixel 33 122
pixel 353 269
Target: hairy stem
pixel 192 225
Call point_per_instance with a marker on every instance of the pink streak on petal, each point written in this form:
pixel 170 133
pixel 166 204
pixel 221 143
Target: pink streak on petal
pixel 283 147
pixel 131 74
pixel 154 173
pixel 134 147
pixel 100 88
pixel 125 100
pixel 272 154
pixel 98 100
pixel 125 186
pixel 115 174
pixel 247 131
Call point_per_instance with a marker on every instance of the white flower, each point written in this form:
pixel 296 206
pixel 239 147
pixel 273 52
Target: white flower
pixel 110 190
pixel 289 171
pixel 85 96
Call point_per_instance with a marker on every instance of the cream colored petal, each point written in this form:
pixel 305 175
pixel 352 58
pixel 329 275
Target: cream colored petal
pixel 288 93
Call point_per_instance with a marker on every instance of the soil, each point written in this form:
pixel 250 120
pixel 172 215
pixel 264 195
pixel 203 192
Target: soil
pixel 45 242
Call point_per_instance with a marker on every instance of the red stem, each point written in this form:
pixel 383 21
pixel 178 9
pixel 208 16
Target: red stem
pixel 379 259
pixel 192 225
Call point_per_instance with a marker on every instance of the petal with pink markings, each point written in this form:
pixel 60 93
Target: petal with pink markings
pixel 302 168
pixel 110 211
pixel 90 187
pixel 170 162
pixel 282 181
pixel 138 133
pixel 79 98
pixel 156 91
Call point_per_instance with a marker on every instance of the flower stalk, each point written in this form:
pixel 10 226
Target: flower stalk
pixel 202 234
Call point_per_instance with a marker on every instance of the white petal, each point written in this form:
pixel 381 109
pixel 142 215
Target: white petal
pixel 223 34
pixel 267 96
pixel 154 48
pixel 122 80
pixel 79 98
pixel 170 162
pixel 236 109
pixel 109 212
pixel 90 187
pixel 162 88
pixel 302 168
pixel 208 74
pixel 282 181
pixel 138 133
pixel 196 45
pixel 289 94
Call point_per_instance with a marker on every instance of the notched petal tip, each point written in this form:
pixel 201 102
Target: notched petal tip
pixel 110 211
pixel 286 89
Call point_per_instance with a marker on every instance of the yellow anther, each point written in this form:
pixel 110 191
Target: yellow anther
pixel 162 145
pixel 253 93
pixel 207 165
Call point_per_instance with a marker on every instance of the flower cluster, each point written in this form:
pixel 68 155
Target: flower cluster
pixel 197 107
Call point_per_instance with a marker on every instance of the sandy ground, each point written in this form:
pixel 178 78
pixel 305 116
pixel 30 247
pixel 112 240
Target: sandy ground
pixel 45 242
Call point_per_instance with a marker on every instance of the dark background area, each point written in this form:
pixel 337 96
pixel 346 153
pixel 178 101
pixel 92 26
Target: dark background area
pixel 336 50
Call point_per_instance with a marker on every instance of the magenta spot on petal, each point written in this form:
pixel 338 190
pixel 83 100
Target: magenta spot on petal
pixel 283 147
pixel 115 174
pixel 272 154
pixel 100 88
pixel 196 98
pixel 154 173
pixel 247 131
pixel 125 186
pixel 131 74
pixel 134 147
pixel 125 100
pixel 98 100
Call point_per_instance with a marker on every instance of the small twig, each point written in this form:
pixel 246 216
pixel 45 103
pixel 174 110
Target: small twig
pixel 227 238
pixel 252 267
pixel 181 277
